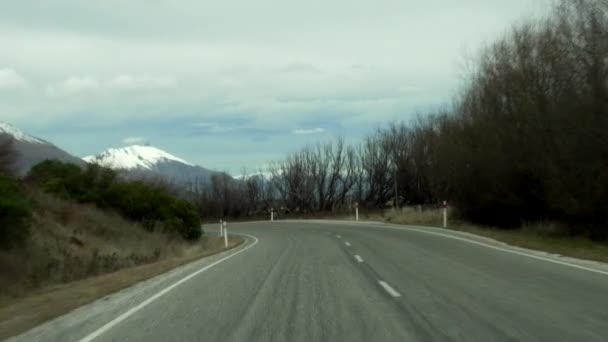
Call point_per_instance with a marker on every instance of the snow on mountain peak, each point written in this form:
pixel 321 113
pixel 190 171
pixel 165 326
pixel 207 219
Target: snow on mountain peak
pixel 18 134
pixel 133 157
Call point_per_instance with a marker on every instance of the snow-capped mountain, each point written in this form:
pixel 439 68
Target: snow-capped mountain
pixel 134 157
pixel 31 150
pixel 149 161
pixel 133 161
pixel 18 135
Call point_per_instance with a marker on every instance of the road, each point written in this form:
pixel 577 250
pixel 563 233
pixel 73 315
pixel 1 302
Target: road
pixel 323 281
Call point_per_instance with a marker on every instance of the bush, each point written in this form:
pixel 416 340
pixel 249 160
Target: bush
pixel 15 213
pixel 139 201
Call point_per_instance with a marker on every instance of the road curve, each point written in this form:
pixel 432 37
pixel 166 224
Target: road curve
pixel 324 281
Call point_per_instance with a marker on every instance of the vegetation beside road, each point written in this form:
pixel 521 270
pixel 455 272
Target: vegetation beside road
pixel 69 236
pixel 550 237
pixel 64 223
pixel 19 315
pixel 151 205
pixel 523 141
pixel 15 212
pixel 68 241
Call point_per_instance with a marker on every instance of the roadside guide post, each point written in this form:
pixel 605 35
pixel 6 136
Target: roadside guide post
pixel 221 228
pixel 225 235
pixel 445 214
pixel 271 214
pixel 357 211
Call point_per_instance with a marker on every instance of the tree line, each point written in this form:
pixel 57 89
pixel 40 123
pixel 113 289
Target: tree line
pixel 525 139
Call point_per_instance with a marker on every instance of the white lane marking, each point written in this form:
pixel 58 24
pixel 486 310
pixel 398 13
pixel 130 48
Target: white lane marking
pixel 380 225
pixel 347 243
pixel 339 236
pixel 133 310
pixel 563 263
pixel 411 228
pixel 359 259
pixel 389 289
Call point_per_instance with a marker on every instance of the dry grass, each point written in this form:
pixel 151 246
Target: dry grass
pixel 71 242
pixel 415 216
pixel 545 236
pixel 18 316
pixel 79 253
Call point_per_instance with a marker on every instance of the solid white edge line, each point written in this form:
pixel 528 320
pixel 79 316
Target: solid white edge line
pixel 359 259
pixel 347 243
pixel 135 309
pixel 381 225
pixel 563 263
pixel 389 289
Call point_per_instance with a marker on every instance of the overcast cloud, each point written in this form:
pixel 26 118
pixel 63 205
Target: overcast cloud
pixel 228 84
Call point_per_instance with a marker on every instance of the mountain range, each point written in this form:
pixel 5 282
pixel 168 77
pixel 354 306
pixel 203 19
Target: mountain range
pixel 134 162
pixel 31 150
pixel 147 161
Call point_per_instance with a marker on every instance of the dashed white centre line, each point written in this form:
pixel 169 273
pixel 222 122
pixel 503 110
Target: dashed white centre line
pixel 347 244
pixel 339 236
pixel 389 289
pixel 358 258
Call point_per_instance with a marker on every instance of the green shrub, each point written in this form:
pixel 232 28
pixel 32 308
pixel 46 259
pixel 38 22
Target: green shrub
pixel 136 200
pixel 191 228
pixel 15 213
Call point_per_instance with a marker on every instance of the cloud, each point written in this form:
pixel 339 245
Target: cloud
pixel 10 79
pixel 217 128
pixel 134 140
pixel 77 85
pixel 73 86
pixel 410 89
pixel 204 124
pixel 260 80
pixel 130 82
pixel 301 68
pixel 317 130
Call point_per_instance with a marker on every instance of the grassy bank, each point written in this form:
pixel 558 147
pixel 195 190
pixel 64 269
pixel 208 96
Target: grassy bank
pixel 70 241
pixel 75 253
pixel 548 237
pixel 18 315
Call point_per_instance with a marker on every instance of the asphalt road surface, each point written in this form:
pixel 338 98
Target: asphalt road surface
pixel 323 281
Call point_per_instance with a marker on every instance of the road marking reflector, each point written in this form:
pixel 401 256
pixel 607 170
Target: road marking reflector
pixel 359 259
pixel 347 243
pixel 339 236
pixel 389 289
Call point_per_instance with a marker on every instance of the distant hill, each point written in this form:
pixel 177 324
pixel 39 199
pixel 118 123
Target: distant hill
pixel 147 161
pixel 134 162
pixel 31 150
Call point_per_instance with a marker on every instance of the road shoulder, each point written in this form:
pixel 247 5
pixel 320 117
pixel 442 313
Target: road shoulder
pixel 593 266
pixel 90 302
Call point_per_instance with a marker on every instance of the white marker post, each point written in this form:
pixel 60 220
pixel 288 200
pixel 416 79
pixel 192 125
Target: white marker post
pixel 271 214
pixel 221 228
pixel 225 235
pixel 357 211
pixel 445 214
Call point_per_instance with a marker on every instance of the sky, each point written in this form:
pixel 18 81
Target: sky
pixel 235 84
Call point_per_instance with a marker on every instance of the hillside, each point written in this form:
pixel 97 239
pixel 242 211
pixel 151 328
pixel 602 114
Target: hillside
pixel 31 150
